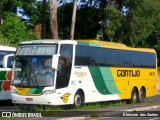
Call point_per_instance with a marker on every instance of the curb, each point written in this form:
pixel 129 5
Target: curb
pixel 144 108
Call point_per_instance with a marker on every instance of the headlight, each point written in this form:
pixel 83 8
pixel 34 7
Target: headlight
pixel 46 92
pixel 14 91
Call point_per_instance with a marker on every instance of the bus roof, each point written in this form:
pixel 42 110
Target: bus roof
pixel 7 48
pixel 114 45
pixel 95 43
pixel 49 41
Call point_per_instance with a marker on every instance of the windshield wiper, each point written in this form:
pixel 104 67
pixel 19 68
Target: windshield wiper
pixel 25 76
pixel 30 78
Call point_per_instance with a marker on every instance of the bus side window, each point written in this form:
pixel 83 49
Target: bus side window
pixel 1 63
pixel 10 61
pixel 1 59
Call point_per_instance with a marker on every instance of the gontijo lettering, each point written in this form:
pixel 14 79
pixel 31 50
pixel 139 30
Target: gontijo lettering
pixel 128 73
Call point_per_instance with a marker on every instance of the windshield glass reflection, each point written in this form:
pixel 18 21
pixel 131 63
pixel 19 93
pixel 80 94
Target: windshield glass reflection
pixel 33 71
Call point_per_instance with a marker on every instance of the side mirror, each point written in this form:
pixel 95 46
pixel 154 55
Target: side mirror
pixel 55 61
pixel 8 61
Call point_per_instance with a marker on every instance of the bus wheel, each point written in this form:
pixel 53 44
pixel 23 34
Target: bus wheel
pixel 134 96
pixel 78 100
pixel 142 95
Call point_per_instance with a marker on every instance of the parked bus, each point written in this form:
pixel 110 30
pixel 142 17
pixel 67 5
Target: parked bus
pixel 64 72
pixel 6 60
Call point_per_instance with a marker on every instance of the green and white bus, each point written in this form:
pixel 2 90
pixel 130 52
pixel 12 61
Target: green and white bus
pixel 6 60
pixel 64 72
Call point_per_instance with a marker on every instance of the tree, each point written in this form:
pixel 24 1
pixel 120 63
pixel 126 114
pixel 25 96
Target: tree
pixel 44 20
pixel 114 23
pixel 103 6
pixel 87 22
pixel 141 22
pixel 16 30
pixel 73 20
pixel 53 18
pixel 64 21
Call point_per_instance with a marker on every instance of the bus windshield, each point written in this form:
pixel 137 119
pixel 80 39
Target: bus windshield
pixel 33 71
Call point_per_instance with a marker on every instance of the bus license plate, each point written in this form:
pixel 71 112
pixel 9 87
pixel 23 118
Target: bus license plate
pixel 29 99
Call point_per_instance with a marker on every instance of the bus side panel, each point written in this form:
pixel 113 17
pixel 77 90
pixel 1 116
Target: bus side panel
pixel 5 81
pixel 127 78
pixel 96 82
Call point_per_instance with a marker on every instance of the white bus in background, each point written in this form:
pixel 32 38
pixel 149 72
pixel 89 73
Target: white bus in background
pixel 6 60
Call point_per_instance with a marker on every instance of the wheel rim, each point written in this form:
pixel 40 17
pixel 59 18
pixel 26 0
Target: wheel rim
pixel 134 97
pixel 77 100
pixel 141 95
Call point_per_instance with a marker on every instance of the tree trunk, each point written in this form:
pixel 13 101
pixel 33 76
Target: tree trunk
pixel 43 36
pixel 103 6
pixel 53 19
pixel 73 20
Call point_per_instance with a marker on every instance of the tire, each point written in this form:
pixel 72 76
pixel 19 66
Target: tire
pixel 78 100
pixel 134 96
pixel 142 95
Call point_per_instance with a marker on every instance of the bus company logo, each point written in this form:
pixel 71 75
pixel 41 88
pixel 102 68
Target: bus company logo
pixel 6 114
pixel 80 74
pixel 65 97
pixel 128 73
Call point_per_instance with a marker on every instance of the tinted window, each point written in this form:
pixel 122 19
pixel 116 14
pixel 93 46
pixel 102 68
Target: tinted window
pixel 111 57
pixel 2 54
pixel 64 66
pixel 10 62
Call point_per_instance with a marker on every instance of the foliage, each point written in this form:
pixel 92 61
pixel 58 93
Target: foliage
pixel 13 31
pixel 114 23
pixel 142 22
pixel 10 5
pixel 64 20
pixel 87 22
pixel 139 27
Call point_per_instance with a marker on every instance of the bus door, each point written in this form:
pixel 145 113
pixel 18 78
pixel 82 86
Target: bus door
pixel 64 68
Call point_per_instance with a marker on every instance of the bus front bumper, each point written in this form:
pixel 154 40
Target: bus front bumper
pixel 50 99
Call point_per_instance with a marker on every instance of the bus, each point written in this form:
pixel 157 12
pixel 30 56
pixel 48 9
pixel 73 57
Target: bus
pixel 6 61
pixel 69 72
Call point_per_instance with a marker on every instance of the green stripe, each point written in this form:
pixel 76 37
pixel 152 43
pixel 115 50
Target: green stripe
pixel 3 75
pixel 32 90
pixel 94 44
pixel 109 81
pixel 1 85
pixel 38 90
pixel 83 43
pixel 88 44
pixel 98 80
pixel 35 90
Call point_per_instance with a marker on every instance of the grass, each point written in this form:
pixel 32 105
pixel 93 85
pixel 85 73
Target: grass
pixel 7 118
pixel 148 101
pixel 90 106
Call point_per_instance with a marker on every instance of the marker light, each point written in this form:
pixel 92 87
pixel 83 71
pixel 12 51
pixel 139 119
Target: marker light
pixel 14 91
pixel 46 92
